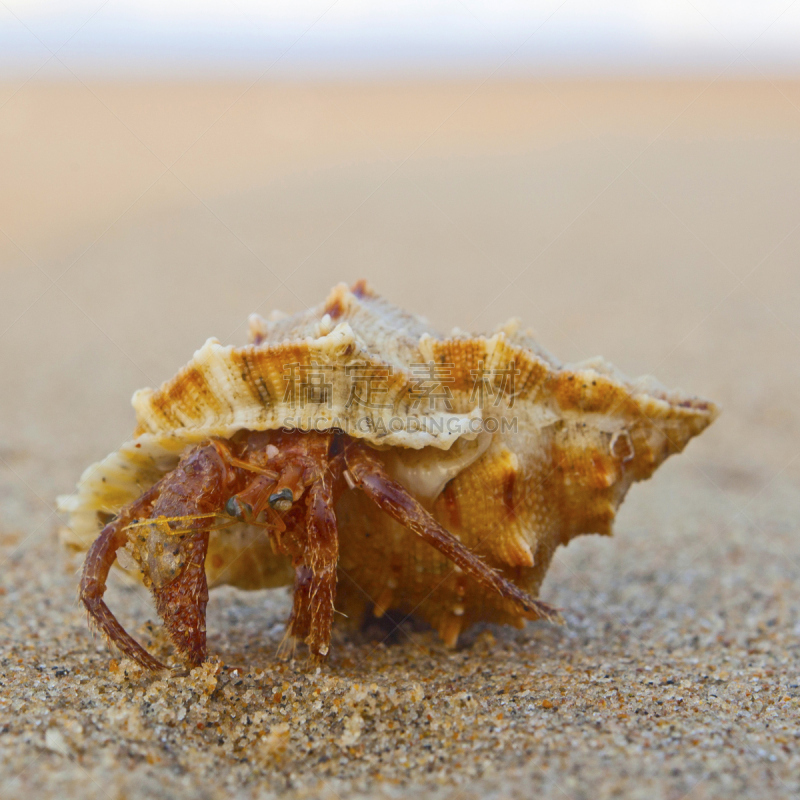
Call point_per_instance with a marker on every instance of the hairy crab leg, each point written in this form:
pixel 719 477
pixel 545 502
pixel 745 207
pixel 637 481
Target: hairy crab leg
pixel 96 567
pixel 368 474
pixel 299 623
pixel 315 581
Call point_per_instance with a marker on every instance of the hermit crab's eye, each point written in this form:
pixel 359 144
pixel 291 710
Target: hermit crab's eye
pixel 282 500
pixel 236 508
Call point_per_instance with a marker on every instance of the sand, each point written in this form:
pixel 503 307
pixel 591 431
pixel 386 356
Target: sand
pixel 655 223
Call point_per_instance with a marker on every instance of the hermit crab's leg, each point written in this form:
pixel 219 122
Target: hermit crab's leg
pixel 299 623
pixel 367 473
pixel 98 562
pixel 315 582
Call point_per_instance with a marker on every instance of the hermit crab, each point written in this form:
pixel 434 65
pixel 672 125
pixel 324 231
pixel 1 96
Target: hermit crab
pixel 372 462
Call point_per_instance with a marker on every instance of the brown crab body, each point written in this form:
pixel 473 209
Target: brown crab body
pixel 437 475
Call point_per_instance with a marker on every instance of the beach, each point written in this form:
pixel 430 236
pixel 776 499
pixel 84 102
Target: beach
pixel 654 223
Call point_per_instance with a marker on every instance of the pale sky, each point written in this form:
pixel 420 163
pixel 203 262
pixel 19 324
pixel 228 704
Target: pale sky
pixel 327 36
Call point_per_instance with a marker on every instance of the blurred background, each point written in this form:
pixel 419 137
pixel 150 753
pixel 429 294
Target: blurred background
pixel 622 175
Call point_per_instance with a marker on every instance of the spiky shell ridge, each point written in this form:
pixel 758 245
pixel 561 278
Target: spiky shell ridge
pixel 301 373
pixel 513 465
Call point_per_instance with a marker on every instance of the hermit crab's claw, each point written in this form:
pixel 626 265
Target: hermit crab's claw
pixel 172 545
pixel 175 570
pixel 98 562
pixel 181 602
pixel 166 531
